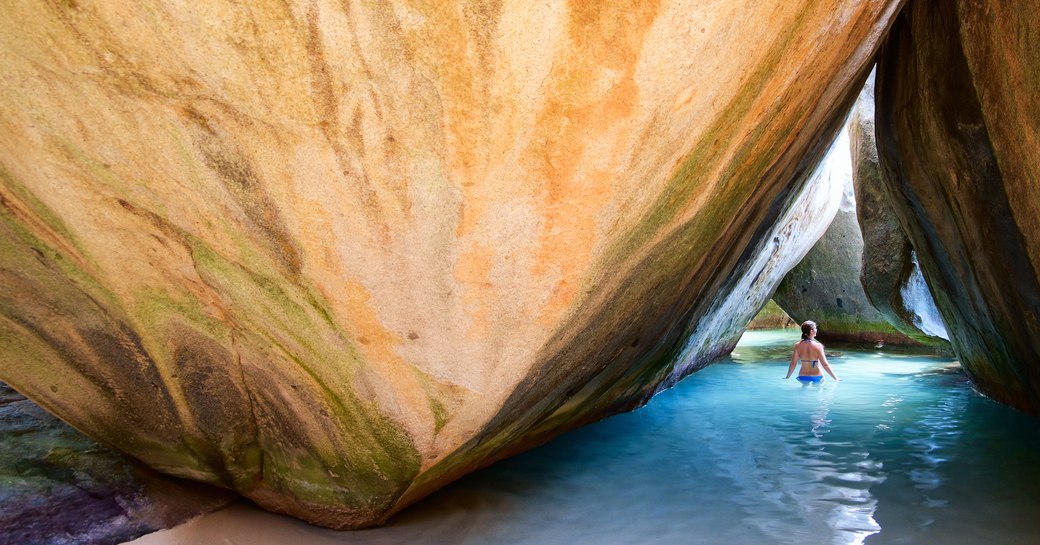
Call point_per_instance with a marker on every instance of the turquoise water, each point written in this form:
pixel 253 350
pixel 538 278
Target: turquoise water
pixel 902 450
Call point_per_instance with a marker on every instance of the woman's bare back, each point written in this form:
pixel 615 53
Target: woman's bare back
pixel 809 352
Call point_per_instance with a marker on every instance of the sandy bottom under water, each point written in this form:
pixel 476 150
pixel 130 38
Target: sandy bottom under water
pixel 902 450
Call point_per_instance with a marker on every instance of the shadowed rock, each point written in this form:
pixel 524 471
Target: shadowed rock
pixel 825 287
pixel 889 268
pixel 61 487
pixel 958 91
pixel 333 255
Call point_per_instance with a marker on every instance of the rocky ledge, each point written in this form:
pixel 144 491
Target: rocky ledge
pixel 57 486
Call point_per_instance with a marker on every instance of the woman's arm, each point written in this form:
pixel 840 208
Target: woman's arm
pixel 825 364
pixel 794 361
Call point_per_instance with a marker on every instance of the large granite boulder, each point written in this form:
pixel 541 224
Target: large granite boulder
pixel 334 255
pixel 825 286
pixel 890 274
pixel 958 91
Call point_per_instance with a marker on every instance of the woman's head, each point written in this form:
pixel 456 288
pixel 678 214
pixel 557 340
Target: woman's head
pixel 808 327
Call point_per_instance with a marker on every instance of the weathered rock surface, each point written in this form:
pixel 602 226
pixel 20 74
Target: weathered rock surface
pixel 958 91
pixel 333 255
pixel 861 281
pixel 58 486
pixel 825 286
pixel 890 274
pixel 748 288
pixel 771 317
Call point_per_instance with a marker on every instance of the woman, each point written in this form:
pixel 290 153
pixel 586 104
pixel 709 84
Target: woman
pixel 810 353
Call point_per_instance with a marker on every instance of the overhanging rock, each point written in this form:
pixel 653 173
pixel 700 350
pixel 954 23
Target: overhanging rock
pixel 333 255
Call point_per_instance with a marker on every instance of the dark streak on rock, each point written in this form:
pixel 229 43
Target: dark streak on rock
pixel 326 100
pixel 244 185
pixel 92 338
pixel 109 359
pixel 219 404
pixel 258 473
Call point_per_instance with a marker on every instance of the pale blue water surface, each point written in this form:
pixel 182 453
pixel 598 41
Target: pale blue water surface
pixel 902 450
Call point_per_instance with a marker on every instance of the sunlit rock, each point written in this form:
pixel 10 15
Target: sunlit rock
pixel 333 255
pixel 958 91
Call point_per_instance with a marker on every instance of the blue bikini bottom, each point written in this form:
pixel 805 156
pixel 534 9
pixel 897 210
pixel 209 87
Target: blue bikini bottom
pixel 810 378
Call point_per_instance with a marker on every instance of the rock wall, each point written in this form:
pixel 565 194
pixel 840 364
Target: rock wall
pixel 333 255
pixel 825 286
pixel 890 275
pixel 958 91
pixel 771 317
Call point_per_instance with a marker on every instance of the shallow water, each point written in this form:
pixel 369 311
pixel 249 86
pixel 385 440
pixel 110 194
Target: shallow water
pixel 902 450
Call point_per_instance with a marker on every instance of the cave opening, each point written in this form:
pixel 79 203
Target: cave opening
pixel 860 280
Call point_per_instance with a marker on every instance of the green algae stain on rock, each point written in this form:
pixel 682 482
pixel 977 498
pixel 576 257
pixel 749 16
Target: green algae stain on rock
pixel 212 429
pixel 34 205
pixel 250 245
pixel 368 455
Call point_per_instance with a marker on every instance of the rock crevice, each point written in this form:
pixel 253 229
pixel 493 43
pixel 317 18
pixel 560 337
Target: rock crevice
pixel 958 147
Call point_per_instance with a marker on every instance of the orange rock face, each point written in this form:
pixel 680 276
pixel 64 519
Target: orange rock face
pixel 332 255
pixel 958 134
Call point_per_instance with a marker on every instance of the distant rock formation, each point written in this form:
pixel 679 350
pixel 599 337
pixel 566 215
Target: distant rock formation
pixel 825 287
pixel 334 255
pixel 958 91
pixel 890 275
pixel 771 317
pixel 861 282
